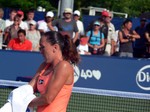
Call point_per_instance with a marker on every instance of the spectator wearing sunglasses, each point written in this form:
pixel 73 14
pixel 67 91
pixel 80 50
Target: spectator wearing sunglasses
pixel 67 24
pixel 10 32
pixel 96 39
pixel 44 26
pixel 33 35
pixel 76 17
pixel 111 36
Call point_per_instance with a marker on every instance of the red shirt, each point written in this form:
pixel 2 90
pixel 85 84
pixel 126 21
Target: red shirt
pixel 15 44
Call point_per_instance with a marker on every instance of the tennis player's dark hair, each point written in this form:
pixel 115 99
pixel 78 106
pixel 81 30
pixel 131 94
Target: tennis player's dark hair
pixel 66 44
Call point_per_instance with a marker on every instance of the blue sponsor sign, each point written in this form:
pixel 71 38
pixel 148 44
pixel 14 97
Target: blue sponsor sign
pixel 96 72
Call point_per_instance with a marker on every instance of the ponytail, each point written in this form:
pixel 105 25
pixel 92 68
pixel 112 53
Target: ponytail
pixel 69 50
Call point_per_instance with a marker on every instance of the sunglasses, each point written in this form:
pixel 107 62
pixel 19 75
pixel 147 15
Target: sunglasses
pixel 75 15
pixel 96 25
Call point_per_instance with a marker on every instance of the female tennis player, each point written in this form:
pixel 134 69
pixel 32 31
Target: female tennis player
pixel 55 77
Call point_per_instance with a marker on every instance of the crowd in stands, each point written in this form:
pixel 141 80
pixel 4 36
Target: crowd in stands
pixel 99 38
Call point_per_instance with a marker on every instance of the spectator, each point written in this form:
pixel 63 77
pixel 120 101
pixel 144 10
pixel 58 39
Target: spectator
pixel 30 17
pixel 2 27
pixel 83 47
pixel 111 36
pixel 126 38
pixel 76 17
pixel 20 43
pixel 96 39
pixel 66 24
pixel 11 31
pixel 12 15
pixel 140 44
pixel 44 26
pixel 103 23
pixel 33 35
pixel 23 25
pixel 55 77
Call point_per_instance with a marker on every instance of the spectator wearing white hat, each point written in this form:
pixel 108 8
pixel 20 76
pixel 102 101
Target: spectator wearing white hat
pixel 33 35
pixel 43 26
pixel 76 17
pixel 67 24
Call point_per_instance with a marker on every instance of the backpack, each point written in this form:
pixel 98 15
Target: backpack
pixel 99 51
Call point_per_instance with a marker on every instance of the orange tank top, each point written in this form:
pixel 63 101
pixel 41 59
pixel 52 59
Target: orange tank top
pixel 60 103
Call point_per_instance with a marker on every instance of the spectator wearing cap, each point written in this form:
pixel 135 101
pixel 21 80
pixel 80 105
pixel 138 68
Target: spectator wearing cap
pixel 33 35
pixel 20 43
pixel 76 17
pixel 30 16
pixel 126 38
pixel 44 26
pixel 67 24
pixel 111 36
pixel 96 39
pixel 12 14
pixel 23 25
pixel 104 26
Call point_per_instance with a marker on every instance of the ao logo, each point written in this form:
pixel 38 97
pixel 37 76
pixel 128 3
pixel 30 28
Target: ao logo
pixel 143 78
pixel 86 74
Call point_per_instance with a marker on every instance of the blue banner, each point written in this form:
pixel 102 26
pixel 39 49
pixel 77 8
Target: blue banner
pixel 96 72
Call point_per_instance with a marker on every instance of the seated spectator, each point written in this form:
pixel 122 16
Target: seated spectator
pixel 11 31
pixel 83 47
pixel 33 35
pixel 12 15
pixel 2 27
pixel 126 38
pixel 20 43
pixel 96 39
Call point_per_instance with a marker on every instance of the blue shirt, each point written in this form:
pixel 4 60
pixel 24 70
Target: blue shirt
pixel 95 39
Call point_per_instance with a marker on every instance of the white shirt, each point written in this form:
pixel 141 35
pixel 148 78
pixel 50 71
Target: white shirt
pixel 42 25
pixel 80 28
pixel 8 22
pixel 23 25
pixel 83 48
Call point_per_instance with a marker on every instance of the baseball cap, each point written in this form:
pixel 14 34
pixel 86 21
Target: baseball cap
pixel 20 12
pixel 32 22
pixel 105 13
pixel 96 23
pixel 68 10
pixel 76 12
pixel 49 14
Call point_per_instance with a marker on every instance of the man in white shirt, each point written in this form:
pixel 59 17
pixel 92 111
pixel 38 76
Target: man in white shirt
pixel 76 16
pixel 10 21
pixel 23 25
pixel 43 26
pixel 30 17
